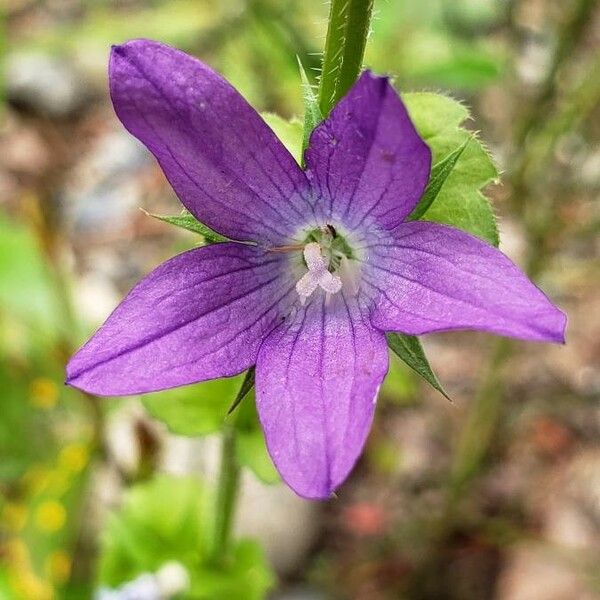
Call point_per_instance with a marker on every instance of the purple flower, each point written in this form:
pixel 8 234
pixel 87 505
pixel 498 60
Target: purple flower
pixel 323 262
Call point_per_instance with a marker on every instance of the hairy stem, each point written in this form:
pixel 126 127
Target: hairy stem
pixel 347 33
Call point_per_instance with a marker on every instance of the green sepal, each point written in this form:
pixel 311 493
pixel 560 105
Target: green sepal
pixel 245 388
pixel 312 111
pixel 186 220
pixel 409 349
pixel 439 174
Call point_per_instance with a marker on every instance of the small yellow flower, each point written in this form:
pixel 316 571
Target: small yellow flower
pixel 50 516
pixel 17 552
pixel 73 457
pixel 43 393
pixel 28 586
pixel 58 566
pixel 14 515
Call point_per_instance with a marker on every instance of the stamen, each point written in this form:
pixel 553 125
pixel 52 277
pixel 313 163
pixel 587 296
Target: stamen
pixel 288 248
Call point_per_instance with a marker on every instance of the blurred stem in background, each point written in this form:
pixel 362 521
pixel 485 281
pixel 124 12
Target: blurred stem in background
pixel 564 107
pixel 43 214
pixel 347 33
pixel 551 112
pixel 570 34
pixel 227 492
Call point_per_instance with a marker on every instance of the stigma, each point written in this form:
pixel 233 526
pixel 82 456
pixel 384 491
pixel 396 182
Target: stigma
pixel 318 274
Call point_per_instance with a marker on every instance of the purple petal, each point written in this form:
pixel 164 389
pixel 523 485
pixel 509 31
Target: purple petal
pixel 433 278
pixel 200 315
pixel 226 165
pixel 367 159
pixel 317 378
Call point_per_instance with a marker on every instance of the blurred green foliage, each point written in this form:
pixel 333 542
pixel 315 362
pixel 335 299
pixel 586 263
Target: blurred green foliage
pixel 439 43
pixel 26 293
pixel 201 409
pixel 169 519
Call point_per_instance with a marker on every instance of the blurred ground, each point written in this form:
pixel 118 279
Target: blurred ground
pixel 496 495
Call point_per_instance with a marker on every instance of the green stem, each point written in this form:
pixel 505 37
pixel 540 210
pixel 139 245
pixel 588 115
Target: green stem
pixel 347 33
pixel 226 497
pixel 477 435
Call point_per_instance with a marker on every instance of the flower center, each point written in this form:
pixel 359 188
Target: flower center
pixel 333 245
pixel 330 263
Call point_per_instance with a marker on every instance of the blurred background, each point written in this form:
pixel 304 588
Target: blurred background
pixel 493 496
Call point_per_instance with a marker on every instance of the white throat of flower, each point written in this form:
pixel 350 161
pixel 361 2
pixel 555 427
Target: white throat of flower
pixel 318 275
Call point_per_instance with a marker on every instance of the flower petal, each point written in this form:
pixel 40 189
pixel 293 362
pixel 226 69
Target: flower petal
pixel 226 165
pixel 317 378
pixel 367 159
pixel 201 315
pixel 433 278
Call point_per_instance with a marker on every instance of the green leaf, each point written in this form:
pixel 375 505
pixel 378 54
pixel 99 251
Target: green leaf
pixel 439 174
pixel 449 61
pixel 312 112
pixel 251 448
pixel 409 349
pixel 459 202
pixel 186 220
pixel 194 410
pixel 399 384
pixel 169 519
pixel 201 409
pixel 165 519
pixel 289 132
pixel 247 576
pixel 252 453
pixel 431 43
pixel 475 14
